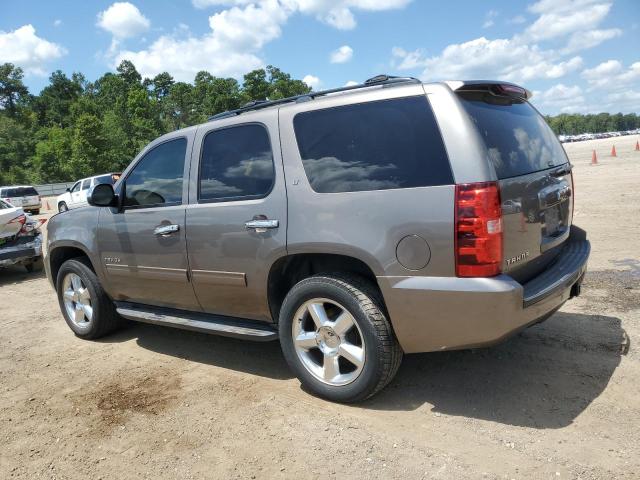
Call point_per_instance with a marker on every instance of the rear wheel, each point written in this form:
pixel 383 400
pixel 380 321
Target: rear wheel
pixel 86 307
pixel 337 339
pixel 62 207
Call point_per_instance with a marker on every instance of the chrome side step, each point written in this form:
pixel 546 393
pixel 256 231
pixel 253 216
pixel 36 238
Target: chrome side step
pixel 198 322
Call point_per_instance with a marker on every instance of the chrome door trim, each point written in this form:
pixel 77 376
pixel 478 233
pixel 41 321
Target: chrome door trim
pixel 213 277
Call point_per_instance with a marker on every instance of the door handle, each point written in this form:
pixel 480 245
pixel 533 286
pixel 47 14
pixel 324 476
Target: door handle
pixel 261 225
pixel 166 229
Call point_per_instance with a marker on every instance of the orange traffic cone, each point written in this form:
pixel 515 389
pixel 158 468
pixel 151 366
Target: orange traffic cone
pixel 613 151
pixel 594 158
pixel 637 146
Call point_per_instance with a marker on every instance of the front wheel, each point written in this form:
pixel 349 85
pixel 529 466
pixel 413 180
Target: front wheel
pixel 337 339
pixel 86 307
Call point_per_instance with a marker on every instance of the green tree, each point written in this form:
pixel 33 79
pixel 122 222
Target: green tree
pixel 13 92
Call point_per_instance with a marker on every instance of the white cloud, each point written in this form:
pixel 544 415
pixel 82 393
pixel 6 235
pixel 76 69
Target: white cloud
pixel 351 83
pixel 524 56
pixel 337 13
pixel 601 74
pixel 403 60
pixel 517 20
pixel 24 48
pixel 611 74
pixel 57 22
pixel 313 81
pixel 342 54
pixel 504 59
pixel 558 21
pixel 238 34
pixel 489 18
pixel 585 39
pixel 230 49
pixel 123 20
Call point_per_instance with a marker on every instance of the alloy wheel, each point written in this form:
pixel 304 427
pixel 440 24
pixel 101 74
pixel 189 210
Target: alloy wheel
pixel 328 341
pixel 77 300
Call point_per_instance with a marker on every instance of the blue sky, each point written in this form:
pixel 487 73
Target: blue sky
pixel 576 55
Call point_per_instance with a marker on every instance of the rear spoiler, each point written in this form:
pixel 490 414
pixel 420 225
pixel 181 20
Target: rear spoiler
pixel 494 87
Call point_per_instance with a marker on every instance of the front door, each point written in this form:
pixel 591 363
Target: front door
pixel 74 195
pixel 143 246
pixel 237 216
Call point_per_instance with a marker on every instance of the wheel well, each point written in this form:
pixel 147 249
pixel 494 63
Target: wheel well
pixel 289 270
pixel 60 255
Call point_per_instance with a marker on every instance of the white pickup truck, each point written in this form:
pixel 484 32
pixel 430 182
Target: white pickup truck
pixel 76 196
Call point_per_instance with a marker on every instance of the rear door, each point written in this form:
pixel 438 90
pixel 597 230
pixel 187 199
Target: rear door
pixel 534 175
pixel 84 189
pixel 237 214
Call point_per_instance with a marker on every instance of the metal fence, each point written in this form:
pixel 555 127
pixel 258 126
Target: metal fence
pixel 51 189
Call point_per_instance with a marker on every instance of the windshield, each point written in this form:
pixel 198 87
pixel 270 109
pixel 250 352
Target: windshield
pixel 518 139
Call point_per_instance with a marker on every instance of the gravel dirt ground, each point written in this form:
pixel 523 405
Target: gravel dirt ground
pixel 559 400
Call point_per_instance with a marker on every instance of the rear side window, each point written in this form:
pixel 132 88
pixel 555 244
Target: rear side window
pixel 86 184
pixel 20 192
pixel 518 139
pixel 156 180
pixel 372 146
pixel 236 163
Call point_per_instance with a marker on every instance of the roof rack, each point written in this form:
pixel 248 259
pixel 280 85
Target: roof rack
pixel 260 104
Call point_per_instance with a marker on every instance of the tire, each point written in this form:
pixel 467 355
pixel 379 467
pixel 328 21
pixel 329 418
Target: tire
pixel 103 319
pixel 371 332
pixel 35 266
pixel 62 207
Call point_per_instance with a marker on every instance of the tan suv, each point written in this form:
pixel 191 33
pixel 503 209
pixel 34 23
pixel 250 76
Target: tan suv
pixel 354 225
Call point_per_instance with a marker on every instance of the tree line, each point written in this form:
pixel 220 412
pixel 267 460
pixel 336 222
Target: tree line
pixel 75 128
pixel 575 124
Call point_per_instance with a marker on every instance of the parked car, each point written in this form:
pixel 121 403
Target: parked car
pixel 24 196
pixel 354 225
pixel 20 241
pixel 76 196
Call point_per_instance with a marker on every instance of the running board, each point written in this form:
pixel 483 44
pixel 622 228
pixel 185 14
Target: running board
pixel 198 322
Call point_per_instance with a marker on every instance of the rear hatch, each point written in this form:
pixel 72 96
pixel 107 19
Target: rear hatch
pixel 22 196
pixel 534 176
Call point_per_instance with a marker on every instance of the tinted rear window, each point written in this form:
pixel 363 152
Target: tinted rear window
pixel 19 192
pixel 104 179
pixel 372 146
pixel 518 139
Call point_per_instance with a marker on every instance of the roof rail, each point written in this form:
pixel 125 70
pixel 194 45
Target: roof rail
pixel 260 104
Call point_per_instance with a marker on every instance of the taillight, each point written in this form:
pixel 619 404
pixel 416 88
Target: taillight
pixel 573 196
pixel 478 241
pixel 21 219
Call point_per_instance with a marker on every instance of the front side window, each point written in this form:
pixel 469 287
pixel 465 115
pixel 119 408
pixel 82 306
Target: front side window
pixel 75 188
pixel 156 180
pixel 372 146
pixel 236 163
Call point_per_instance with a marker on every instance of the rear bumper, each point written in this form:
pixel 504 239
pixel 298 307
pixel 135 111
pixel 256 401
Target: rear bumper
pixel 25 248
pixel 447 313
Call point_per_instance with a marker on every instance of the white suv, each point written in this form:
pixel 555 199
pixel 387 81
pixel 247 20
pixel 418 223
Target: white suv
pixel 76 196
pixel 23 196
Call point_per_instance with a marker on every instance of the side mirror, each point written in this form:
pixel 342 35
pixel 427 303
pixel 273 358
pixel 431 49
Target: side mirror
pixel 102 195
pixel 69 190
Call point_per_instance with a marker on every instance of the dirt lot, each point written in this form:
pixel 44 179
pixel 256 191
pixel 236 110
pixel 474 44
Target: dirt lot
pixel 560 400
